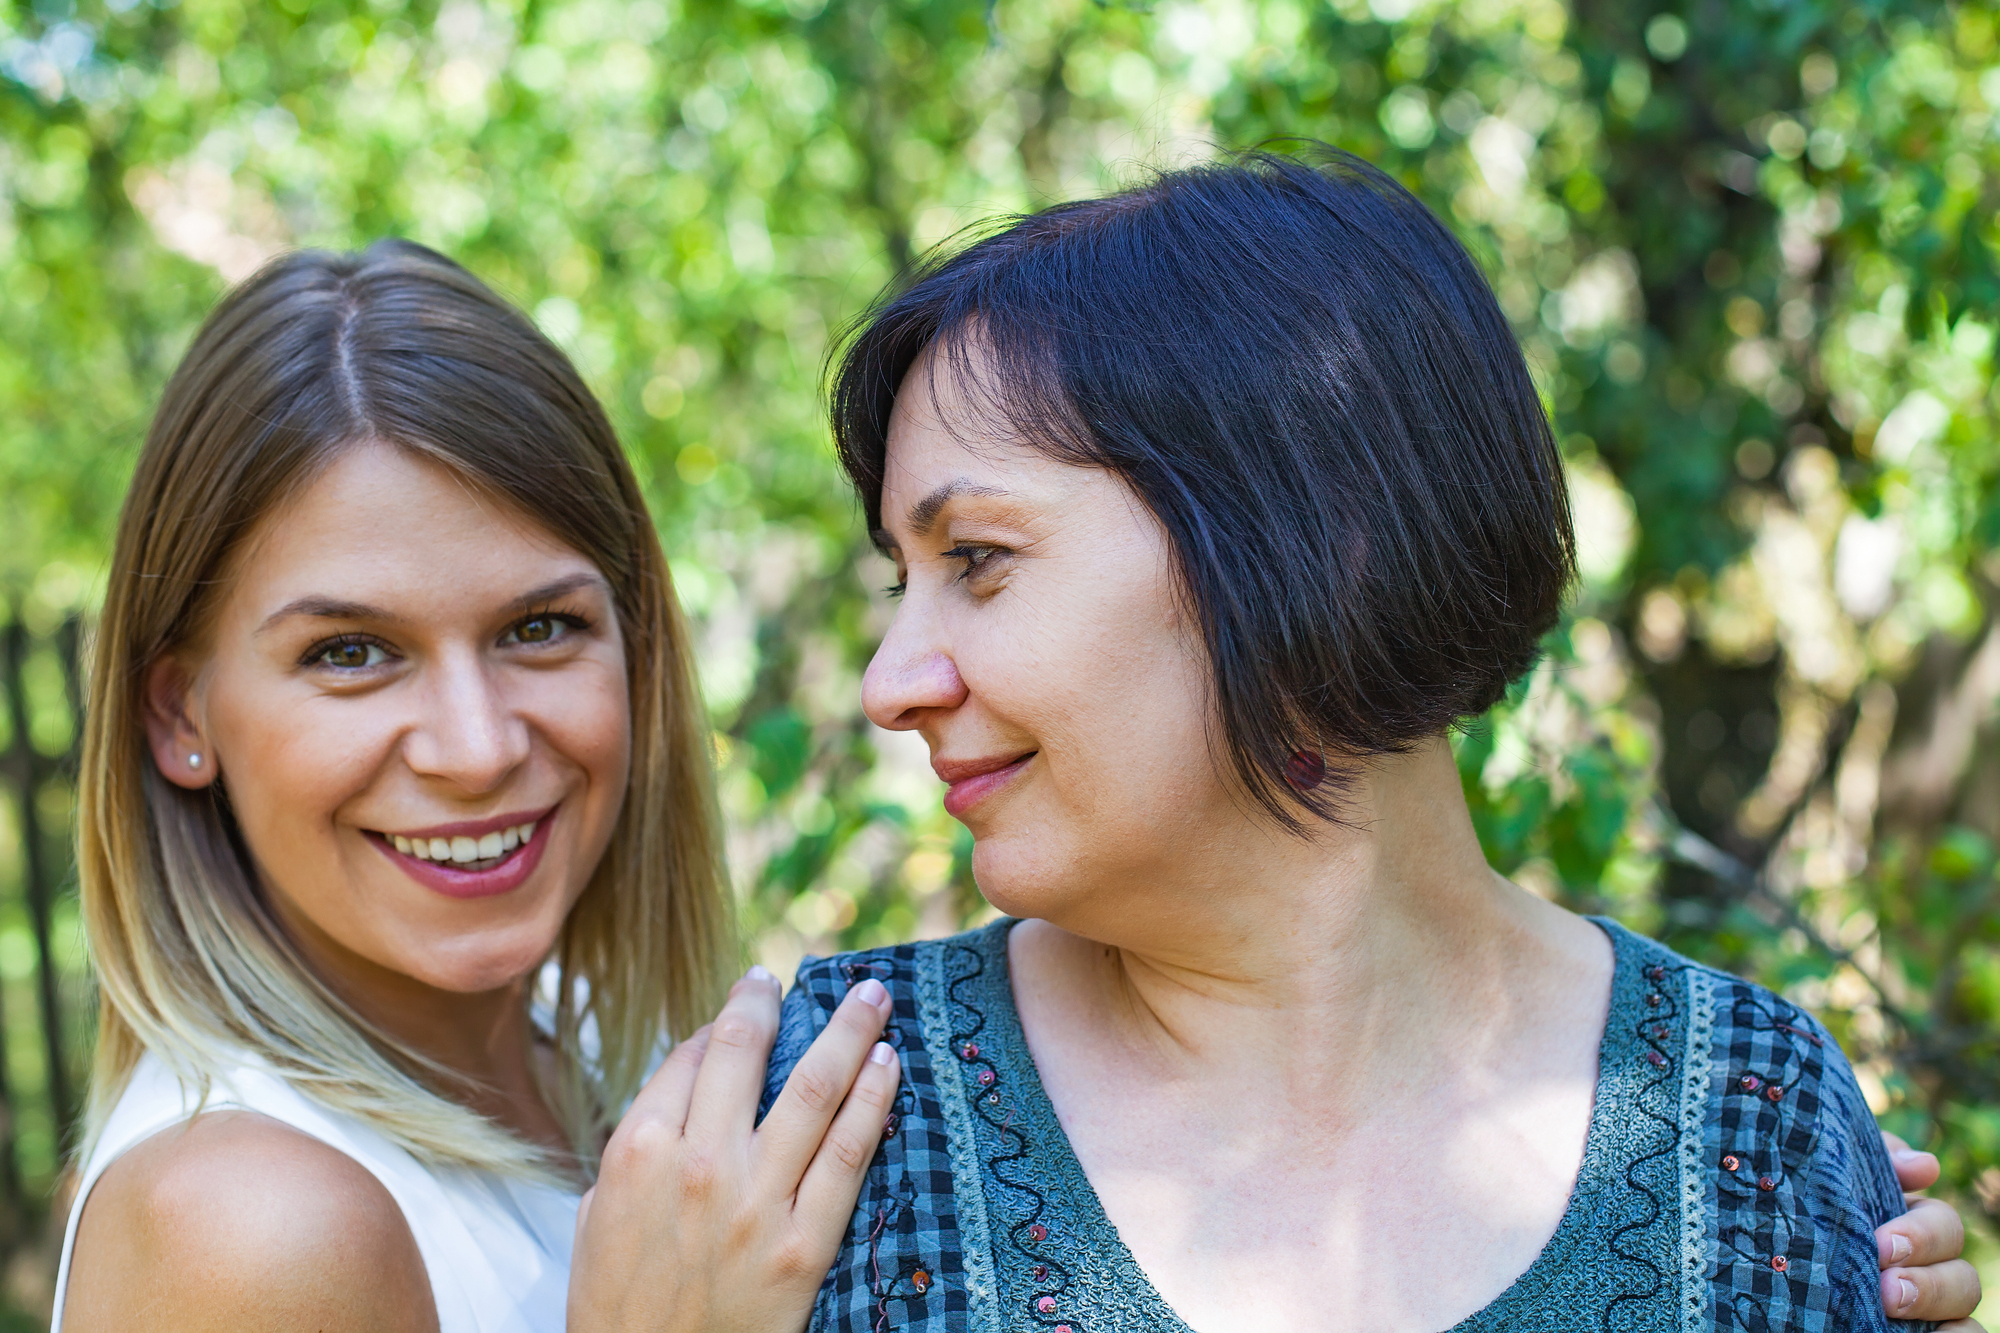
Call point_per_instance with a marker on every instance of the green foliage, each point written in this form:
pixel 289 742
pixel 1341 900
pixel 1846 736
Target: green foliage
pixel 1748 246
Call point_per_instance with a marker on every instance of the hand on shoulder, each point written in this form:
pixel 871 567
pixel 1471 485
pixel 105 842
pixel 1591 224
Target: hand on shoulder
pixel 235 1222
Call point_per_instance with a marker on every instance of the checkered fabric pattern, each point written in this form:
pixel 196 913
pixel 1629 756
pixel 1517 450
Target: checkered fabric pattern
pixel 1801 1177
pixel 901 1266
pixel 1787 1187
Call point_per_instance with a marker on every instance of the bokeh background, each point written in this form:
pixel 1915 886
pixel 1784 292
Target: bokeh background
pixel 1748 244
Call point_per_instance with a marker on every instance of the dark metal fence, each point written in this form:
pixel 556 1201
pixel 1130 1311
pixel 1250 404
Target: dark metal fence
pixel 44 1019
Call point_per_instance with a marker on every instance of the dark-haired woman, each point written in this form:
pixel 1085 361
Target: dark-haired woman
pixel 1214 506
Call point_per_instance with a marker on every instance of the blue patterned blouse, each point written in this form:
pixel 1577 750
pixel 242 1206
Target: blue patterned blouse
pixel 1732 1177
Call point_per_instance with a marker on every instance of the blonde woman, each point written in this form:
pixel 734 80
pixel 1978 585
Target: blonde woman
pixel 392 714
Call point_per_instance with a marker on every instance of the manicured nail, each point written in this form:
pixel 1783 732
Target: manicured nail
pixel 758 972
pixel 1906 1293
pixel 873 992
pixel 1899 1249
pixel 884 1054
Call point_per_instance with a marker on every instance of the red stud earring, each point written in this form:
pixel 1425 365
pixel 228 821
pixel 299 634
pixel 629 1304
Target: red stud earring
pixel 1305 770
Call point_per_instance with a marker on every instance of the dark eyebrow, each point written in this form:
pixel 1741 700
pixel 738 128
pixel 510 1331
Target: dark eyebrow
pixel 925 511
pixel 325 608
pixel 333 608
pixel 561 587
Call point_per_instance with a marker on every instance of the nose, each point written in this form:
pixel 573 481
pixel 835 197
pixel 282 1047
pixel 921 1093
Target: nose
pixel 910 674
pixel 469 736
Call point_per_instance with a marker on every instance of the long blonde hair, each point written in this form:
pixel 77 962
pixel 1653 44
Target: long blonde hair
pixel 311 355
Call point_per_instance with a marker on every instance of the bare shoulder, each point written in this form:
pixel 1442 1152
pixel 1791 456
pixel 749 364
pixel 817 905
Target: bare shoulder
pixel 235 1221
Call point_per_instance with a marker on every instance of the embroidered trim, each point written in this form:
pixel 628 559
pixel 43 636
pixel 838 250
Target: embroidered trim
pixel 981 1082
pixel 1697 1178
pixel 1801 1178
pixel 1662 1011
pixel 976 1245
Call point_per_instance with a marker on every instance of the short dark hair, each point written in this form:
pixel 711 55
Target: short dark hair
pixel 1308 381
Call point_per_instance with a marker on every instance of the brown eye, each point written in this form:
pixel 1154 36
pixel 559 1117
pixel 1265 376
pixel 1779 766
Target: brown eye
pixel 352 656
pixel 539 630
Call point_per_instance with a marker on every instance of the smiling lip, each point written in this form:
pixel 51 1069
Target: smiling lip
pixel 972 780
pixel 445 878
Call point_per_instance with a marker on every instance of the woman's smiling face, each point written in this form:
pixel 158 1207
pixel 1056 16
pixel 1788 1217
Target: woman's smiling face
pixel 417 702
pixel 1042 649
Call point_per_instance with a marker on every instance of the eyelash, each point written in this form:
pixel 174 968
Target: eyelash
pixel 975 558
pixel 312 655
pixel 566 618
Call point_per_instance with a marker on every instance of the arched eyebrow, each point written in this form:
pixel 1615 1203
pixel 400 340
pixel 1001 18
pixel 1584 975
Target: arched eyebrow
pixel 319 607
pixel 924 513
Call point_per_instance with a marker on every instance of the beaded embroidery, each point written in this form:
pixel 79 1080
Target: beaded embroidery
pixel 975 1217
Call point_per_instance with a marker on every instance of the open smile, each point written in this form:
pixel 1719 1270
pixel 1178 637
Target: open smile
pixel 474 859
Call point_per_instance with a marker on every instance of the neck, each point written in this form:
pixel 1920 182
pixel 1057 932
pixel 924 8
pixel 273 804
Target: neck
pixel 1312 959
pixel 484 1037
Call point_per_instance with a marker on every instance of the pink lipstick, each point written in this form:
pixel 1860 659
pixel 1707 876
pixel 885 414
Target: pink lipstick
pixel 973 780
pixel 477 877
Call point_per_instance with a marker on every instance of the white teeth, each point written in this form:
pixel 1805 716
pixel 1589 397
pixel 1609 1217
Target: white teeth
pixel 462 850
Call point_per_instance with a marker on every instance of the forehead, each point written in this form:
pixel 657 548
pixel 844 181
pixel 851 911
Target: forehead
pixel 386 522
pixel 946 424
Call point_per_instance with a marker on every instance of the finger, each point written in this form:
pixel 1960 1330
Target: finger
pixel 833 1181
pixel 667 1093
pixel 730 1082
pixel 817 1087
pixel 1962 1326
pixel 1929 1233
pixel 1941 1291
pixel 1914 1170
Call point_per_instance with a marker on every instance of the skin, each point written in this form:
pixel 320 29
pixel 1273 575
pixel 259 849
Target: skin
pixel 397 651
pixel 1270 1052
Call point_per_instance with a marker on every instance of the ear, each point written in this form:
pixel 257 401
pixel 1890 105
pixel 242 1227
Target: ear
pixel 178 746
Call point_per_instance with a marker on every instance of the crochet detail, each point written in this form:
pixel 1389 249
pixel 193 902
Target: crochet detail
pixel 1697 1196
pixel 1731 1181
pixel 982 1287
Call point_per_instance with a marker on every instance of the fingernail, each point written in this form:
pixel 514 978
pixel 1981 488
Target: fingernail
pixel 1908 1293
pixel 758 972
pixel 1899 1249
pixel 883 1054
pixel 873 992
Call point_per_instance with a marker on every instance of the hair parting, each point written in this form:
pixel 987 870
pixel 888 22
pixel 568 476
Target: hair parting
pixel 314 354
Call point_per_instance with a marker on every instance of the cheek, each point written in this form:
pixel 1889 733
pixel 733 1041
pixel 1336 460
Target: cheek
pixel 585 715
pixel 288 765
pixel 1112 693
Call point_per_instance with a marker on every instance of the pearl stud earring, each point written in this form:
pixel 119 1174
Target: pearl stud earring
pixel 194 760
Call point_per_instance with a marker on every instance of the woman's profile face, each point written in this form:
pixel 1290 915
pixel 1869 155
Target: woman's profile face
pixel 1042 649
pixel 416 701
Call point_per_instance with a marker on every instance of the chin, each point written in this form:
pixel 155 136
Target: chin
pixel 474 967
pixel 1021 877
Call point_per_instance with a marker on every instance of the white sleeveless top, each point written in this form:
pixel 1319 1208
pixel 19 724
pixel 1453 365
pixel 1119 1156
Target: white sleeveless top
pixel 497 1250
